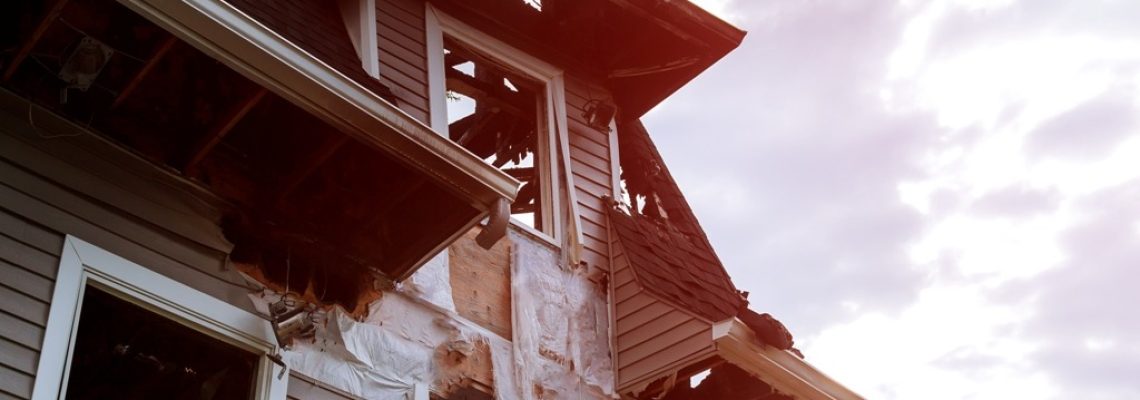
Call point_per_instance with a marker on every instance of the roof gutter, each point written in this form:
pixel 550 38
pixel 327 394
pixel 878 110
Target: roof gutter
pixel 240 42
pixel 786 372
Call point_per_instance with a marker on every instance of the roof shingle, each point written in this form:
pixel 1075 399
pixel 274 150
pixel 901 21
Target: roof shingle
pixel 679 268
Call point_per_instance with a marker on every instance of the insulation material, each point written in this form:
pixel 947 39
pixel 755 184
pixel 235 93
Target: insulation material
pixel 387 353
pixel 560 327
pixel 432 282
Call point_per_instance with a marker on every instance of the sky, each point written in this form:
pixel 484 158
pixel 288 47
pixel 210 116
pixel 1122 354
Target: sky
pixel 940 199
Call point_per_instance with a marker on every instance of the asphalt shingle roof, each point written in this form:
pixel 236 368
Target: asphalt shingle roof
pixel 680 268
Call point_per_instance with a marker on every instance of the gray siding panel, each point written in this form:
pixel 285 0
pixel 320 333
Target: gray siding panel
pixel 22 306
pixel 26 282
pixel 21 254
pixel 17 357
pixel 20 331
pixel 15 384
pixel 84 187
pixel 28 263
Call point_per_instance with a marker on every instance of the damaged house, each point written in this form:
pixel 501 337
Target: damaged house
pixel 380 199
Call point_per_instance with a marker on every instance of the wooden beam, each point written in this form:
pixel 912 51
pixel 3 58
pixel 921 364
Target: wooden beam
pixel 207 143
pixel 150 64
pixel 41 29
pixel 507 101
pixel 309 165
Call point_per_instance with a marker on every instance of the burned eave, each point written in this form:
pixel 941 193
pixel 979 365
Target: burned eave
pixel 318 168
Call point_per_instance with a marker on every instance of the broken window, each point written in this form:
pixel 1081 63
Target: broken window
pixel 123 351
pixel 500 115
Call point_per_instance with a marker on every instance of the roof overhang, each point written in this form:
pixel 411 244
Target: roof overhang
pixel 644 50
pixel 237 40
pixel 782 369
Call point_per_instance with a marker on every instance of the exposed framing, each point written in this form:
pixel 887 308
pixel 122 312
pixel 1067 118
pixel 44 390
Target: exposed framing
pixel 83 264
pixel 230 36
pixel 553 146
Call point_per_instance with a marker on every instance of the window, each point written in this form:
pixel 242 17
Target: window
pixel 162 338
pixel 504 106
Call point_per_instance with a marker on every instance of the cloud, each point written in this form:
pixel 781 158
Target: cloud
pixel 1090 130
pixel 781 148
pixel 939 198
pixel 1086 310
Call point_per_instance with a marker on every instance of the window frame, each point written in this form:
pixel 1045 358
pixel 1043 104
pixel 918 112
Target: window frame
pixel 83 264
pixel 551 145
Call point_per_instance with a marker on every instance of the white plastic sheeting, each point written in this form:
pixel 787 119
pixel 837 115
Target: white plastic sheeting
pixel 560 348
pixel 560 327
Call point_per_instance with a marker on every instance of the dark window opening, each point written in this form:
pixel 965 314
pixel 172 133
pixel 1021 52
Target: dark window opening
pixel 123 351
pixel 499 115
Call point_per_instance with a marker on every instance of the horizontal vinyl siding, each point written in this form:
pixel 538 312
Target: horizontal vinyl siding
pixel 88 192
pixel 591 167
pixel 650 335
pixel 403 54
pixel 29 258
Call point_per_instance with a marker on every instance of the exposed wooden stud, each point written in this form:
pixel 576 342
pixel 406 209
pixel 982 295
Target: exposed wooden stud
pixel 207 143
pixel 150 64
pixel 30 44
pixel 308 166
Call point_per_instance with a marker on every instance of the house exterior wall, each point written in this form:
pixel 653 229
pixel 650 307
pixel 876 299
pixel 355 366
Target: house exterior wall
pixel 593 162
pixel 650 336
pixel 77 185
pixel 80 185
pixel 403 54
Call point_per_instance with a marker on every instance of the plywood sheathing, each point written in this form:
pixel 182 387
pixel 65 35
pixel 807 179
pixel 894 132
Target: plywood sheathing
pixel 481 282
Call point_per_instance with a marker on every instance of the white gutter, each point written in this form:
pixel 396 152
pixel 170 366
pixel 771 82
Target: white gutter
pixel 260 54
pixel 786 372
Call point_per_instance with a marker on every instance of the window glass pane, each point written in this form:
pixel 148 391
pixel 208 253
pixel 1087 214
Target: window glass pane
pixel 123 351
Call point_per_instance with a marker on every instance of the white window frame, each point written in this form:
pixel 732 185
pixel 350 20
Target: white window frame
pixel 83 264
pixel 438 24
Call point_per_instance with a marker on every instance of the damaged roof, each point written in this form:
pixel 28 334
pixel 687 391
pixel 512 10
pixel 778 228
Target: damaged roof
pixel 668 250
pixel 677 267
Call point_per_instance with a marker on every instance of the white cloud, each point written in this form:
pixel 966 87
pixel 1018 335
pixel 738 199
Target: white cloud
pixel 901 356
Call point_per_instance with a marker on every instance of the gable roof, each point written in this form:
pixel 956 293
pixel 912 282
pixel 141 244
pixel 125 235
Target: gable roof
pixel 677 267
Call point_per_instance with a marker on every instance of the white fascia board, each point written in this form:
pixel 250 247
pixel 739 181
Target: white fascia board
pixel 260 54
pixel 786 372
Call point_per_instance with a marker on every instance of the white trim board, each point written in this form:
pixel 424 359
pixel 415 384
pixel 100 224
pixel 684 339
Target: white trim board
pixel 786 372
pixel 83 264
pixel 555 146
